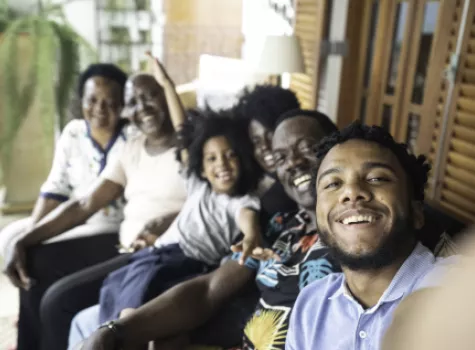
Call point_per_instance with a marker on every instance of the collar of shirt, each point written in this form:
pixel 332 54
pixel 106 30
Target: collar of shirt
pixel 416 265
pixel 119 132
pixel 303 219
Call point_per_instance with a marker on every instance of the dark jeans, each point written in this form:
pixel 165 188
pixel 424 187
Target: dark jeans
pixel 47 264
pixel 149 273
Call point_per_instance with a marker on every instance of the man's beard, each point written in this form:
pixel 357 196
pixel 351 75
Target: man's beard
pixel 393 247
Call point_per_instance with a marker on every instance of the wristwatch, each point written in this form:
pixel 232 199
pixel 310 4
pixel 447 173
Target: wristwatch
pixel 116 329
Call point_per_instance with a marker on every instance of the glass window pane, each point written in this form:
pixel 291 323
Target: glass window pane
pixel 398 36
pixel 369 49
pixel 387 115
pixel 428 28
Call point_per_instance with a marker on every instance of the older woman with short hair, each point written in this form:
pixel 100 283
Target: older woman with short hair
pixel 146 173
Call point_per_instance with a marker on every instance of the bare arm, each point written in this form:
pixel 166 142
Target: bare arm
pixel 73 212
pixel 180 309
pixel 248 223
pixel 43 207
pixel 158 227
pixel 151 231
pixel 175 107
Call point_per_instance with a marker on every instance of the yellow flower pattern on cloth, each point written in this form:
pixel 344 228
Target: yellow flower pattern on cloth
pixel 267 330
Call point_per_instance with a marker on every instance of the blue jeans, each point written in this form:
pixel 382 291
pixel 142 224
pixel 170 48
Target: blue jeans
pixel 83 325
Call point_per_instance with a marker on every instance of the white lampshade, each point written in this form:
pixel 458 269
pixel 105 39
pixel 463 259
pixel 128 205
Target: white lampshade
pixel 281 54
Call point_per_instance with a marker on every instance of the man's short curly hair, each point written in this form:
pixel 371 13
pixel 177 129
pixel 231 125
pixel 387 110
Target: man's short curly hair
pixel 105 70
pixel 208 124
pixel 325 123
pixel 416 168
pixel 266 103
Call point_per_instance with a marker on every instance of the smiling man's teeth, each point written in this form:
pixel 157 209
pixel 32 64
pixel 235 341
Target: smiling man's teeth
pixel 269 158
pixel 147 119
pixel 301 179
pixel 356 219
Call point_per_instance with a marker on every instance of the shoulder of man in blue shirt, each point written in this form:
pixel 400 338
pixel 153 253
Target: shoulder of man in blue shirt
pixel 314 310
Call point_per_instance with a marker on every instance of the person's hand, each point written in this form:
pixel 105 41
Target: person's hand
pixel 252 247
pixel 102 339
pixel 16 267
pixel 148 235
pixel 158 71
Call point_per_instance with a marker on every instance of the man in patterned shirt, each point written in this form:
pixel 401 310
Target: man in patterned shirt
pixel 296 259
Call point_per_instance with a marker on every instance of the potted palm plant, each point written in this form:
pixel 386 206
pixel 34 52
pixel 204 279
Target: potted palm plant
pixel 45 79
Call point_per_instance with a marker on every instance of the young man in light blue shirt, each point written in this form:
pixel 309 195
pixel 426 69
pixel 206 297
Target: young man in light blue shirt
pixel 369 193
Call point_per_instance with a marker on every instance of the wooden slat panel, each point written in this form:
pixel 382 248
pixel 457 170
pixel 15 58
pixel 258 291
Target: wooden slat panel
pixel 466 104
pixel 308 27
pixel 306 88
pixel 461 175
pixel 465 134
pixel 460 214
pixel 301 78
pixel 465 119
pixel 308 52
pixel 470 61
pixel 309 62
pixel 308 45
pixel 467 90
pixel 464 148
pixel 308 7
pixel 471 46
pixel 306 17
pixel 309 20
pixel 306 37
pixel 461 161
pixel 468 76
pixel 306 2
pixel 463 205
pixel 460 189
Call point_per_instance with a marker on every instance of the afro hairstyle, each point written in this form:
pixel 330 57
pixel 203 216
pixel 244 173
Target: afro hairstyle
pixel 206 124
pixel 416 168
pixel 265 104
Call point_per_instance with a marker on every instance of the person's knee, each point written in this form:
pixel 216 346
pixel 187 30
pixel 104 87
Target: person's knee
pixel 83 325
pixel 10 234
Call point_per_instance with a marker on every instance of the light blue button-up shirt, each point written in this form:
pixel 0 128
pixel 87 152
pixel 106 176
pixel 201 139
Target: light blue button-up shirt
pixel 327 317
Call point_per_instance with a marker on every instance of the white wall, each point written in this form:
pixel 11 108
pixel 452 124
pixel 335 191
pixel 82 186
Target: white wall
pixel 82 16
pixel 258 21
pixel 80 13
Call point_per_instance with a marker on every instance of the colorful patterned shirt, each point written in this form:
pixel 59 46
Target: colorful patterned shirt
pixel 77 163
pixel 303 259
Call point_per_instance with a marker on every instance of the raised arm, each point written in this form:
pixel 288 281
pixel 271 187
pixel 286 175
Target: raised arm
pixel 175 107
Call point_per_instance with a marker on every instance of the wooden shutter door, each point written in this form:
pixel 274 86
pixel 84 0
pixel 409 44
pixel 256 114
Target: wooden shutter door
pixel 452 146
pixel 310 24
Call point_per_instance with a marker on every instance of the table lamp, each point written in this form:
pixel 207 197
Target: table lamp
pixel 281 54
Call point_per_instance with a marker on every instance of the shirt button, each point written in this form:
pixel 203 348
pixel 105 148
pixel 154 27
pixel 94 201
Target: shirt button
pixel 363 334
